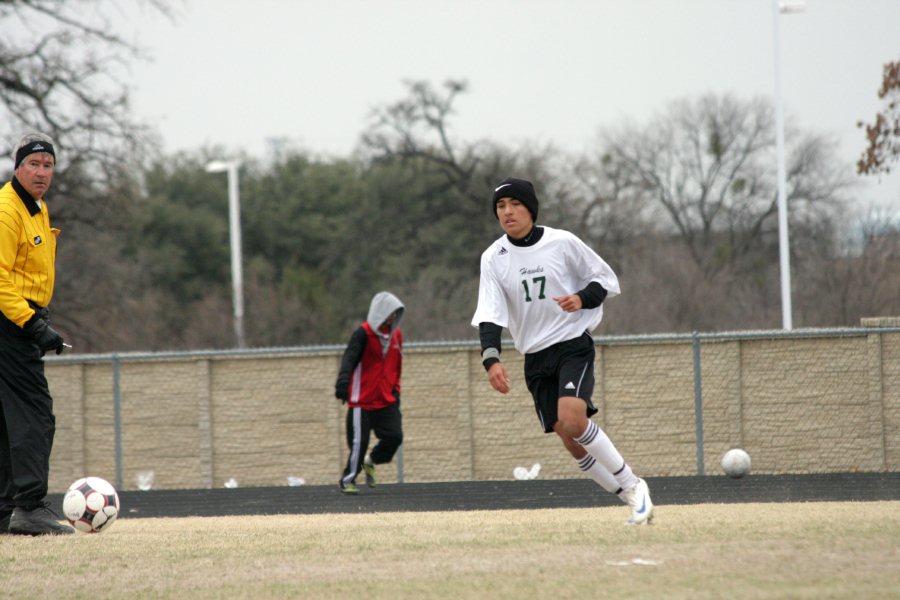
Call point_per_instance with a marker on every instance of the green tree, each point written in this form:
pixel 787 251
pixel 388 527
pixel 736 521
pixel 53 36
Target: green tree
pixel 295 218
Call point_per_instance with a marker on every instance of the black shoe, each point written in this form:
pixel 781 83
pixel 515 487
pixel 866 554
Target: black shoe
pixel 4 521
pixel 37 521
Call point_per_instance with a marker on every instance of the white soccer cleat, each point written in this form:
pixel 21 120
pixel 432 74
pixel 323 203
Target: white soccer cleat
pixel 638 498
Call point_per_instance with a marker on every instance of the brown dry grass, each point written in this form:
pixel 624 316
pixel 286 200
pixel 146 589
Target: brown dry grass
pixel 813 550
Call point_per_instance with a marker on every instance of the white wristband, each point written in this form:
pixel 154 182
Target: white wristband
pixel 490 353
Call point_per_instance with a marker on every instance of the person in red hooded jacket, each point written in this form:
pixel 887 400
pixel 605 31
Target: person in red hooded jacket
pixel 369 383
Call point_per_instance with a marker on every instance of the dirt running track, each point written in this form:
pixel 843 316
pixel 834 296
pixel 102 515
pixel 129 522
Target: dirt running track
pixel 496 495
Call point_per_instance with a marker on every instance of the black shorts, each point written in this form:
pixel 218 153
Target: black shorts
pixel 563 369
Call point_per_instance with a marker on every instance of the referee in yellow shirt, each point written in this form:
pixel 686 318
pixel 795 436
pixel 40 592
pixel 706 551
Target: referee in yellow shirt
pixel 27 274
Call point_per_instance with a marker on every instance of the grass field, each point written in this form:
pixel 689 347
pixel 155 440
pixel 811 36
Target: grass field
pixel 811 550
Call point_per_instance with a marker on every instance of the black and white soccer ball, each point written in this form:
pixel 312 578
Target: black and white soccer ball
pixel 91 505
pixel 736 463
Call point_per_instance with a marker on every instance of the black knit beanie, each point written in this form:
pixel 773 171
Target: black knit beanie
pixel 520 189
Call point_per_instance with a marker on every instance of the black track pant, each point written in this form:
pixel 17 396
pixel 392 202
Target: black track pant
pixel 387 423
pixel 27 424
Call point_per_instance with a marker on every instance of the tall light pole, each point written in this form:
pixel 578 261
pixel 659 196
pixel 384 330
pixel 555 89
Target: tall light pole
pixel 784 248
pixel 234 228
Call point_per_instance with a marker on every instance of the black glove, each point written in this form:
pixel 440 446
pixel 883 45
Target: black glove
pixel 342 395
pixel 44 336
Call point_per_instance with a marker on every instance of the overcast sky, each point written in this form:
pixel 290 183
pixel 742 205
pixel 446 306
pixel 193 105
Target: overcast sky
pixel 239 72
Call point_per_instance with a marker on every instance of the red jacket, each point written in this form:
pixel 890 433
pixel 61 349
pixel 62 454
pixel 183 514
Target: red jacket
pixel 369 376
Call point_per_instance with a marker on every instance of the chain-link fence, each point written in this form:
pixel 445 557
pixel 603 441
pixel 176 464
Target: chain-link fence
pixel 802 401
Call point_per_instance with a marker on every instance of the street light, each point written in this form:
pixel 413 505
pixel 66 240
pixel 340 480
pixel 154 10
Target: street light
pixel 784 249
pixel 234 227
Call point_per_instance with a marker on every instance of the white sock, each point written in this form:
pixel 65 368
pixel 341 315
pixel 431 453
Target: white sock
pixel 598 445
pixel 595 471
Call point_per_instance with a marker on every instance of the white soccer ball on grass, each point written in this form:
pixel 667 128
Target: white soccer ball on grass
pixel 736 463
pixel 91 505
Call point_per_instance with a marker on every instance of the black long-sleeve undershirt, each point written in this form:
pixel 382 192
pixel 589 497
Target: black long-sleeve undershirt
pixel 592 295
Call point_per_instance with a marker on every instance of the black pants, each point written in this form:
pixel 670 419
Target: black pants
pixel 387 423
pixel 27 424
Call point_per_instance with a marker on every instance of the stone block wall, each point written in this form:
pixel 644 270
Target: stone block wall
pixel 798 404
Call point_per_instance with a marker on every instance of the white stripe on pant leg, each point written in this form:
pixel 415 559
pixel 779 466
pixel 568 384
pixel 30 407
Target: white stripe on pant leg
pixel 355 446
pixel 580 379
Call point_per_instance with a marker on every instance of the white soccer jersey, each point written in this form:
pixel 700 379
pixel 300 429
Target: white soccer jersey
pixel 518 285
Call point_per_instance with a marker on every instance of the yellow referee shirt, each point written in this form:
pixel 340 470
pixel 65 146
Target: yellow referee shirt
pixel 27 254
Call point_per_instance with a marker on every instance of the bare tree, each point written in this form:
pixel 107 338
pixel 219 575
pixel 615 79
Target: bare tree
pixel 417 129
pixel 853 272
pixel 595 201
pixel 61 72
pixel 704 171
pixel 883 136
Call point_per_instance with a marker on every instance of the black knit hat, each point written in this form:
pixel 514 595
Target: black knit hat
pixel 520 189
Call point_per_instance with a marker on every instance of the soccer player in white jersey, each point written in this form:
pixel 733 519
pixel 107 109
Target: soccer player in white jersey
pixel 547 288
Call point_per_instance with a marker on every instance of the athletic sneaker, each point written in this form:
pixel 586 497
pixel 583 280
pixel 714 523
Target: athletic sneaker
pixel 369 468
pixel 37 521
pixel 638 498
pixel 349 488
